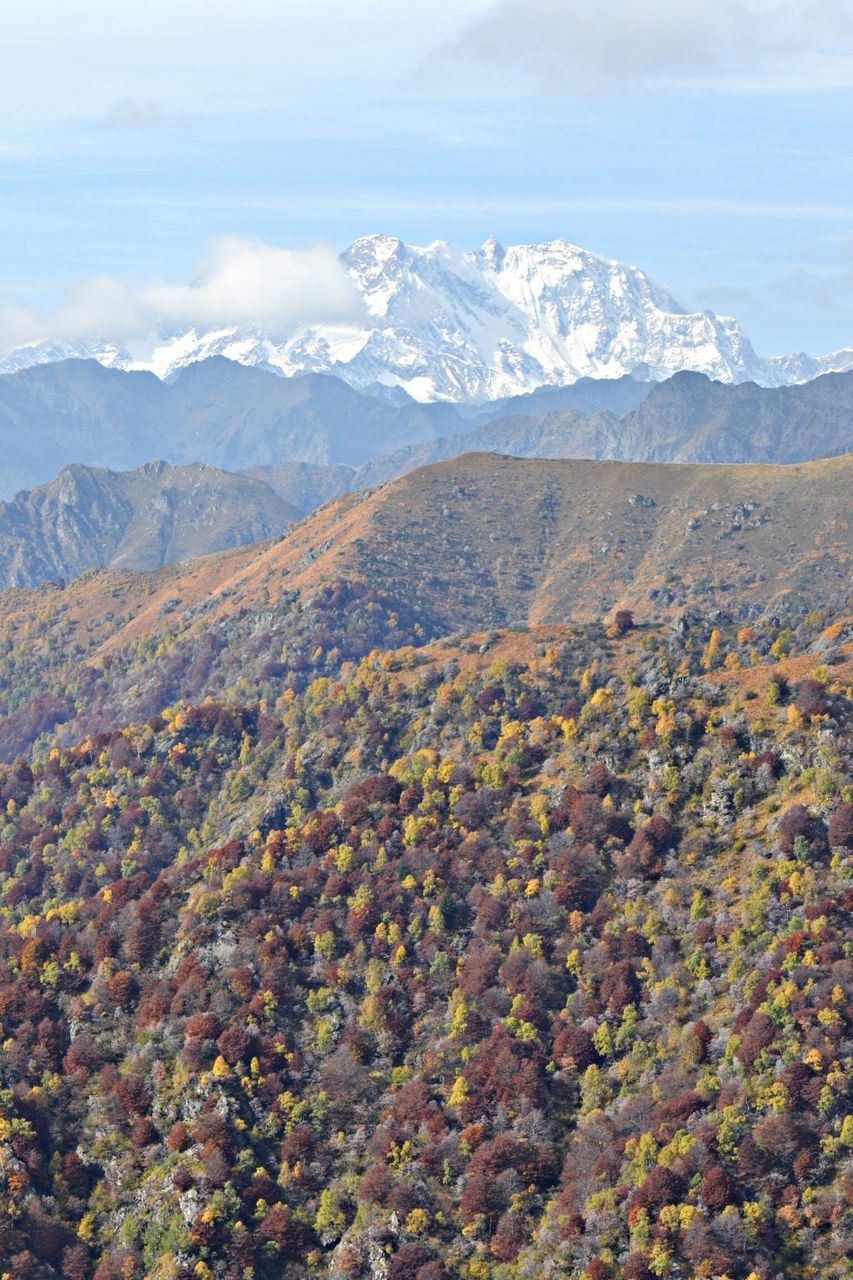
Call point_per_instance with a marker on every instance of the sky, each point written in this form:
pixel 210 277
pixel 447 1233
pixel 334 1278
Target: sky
pixel 199 158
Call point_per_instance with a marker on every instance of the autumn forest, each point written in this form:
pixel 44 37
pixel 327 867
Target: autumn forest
pixel 336 947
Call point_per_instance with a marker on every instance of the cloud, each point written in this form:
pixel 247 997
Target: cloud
pixel 239 283
pixel 245 282
pixel 18 325
pixel 804 286
pixel 134 115
pixel 385 202
pixel 571 41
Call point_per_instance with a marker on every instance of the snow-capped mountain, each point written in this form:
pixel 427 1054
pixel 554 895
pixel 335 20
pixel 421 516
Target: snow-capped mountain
pixel 476 326
pixel 800 367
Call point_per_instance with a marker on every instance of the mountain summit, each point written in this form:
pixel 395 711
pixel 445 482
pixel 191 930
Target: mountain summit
pixel 474 326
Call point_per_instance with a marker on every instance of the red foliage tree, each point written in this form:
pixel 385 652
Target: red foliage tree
pixel 841 827
pixel 797 822
pixel 509 1236
pixel 76 1264
pixel 661 1186
pixel 647 848
pixel 277 1227
pixel 122 988
pixel 716 1188
pixel 408 1261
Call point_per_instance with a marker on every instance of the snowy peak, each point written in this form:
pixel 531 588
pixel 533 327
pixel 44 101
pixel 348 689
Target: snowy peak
pixel 445 324
pixel 492 254
pixel 502 321
pixel 377 264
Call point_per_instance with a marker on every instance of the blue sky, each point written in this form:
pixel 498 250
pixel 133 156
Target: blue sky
pixel 708 143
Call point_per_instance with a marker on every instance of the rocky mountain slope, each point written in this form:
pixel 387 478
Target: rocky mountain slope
pixel 220 409
pixel 475 326
pixel 131 519
pixel 504 539
pixel 481 541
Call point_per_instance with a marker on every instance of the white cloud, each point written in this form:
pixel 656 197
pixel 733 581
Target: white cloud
pixel 628 41
pixel 240 282
pixel 18 324
pixel 248 282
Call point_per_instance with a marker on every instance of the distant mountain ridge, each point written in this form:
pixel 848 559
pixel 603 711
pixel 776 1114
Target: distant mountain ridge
pixel 137 519
pixel 242 419
pixel 692 419
pixel 309 440
pixel 480 325
pixel 686 419
pixel 217 411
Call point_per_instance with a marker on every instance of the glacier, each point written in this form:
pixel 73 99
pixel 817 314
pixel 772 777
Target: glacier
pixel 474 326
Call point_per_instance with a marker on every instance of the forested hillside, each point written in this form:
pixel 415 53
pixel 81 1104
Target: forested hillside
pixel 338 945
pixel 426 672
pixel 517 955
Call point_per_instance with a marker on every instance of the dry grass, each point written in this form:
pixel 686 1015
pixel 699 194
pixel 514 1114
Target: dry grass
pixel 490 541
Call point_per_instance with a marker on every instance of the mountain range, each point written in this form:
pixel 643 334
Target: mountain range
pixel 218 412
pixel 238 418
pixel 298 444
pixel 688 418
pixel 476 326
pixel 228 415
pixel 485 540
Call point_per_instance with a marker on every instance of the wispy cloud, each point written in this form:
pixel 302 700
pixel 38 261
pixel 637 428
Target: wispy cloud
pixel 240 282
pixel 743 44
pixel 386 204
pixel 135 115
pixel 805 286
